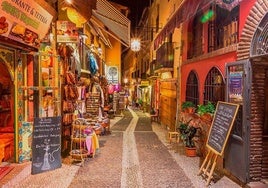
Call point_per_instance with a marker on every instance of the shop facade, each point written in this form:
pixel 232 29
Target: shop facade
pixel 232 69
pixel 219 49
pixel 52 69
pixel 21 37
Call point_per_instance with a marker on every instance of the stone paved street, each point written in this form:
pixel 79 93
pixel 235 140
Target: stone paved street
pixel 135 154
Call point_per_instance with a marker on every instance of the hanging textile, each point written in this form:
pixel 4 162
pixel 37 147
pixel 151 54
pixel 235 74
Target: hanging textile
pixel 228 4
pixel 77 63
pixel 93 66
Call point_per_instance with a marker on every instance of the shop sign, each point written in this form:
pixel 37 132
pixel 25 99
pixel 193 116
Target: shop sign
pixel 236 85
pixel 46 144
pixel 67 32
pixel 24 21
pixel 144 83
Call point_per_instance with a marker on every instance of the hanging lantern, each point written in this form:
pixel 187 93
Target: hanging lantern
pixel 75 17
pixel 135 44
pixel 110 89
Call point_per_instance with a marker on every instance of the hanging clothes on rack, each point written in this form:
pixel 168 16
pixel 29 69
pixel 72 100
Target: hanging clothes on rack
pixel 77 63
pixel 92 63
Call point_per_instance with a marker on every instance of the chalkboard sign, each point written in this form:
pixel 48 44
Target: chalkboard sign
pixel 221 126
pixel 46 144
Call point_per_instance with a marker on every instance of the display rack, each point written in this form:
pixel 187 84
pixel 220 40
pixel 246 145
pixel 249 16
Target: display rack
pixel 79 135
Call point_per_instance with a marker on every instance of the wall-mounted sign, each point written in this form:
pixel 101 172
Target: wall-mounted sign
pixel 144 83
pixel 66 32
pixel 24 21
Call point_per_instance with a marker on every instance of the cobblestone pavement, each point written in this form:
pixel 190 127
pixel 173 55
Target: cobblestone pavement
pixel 135 154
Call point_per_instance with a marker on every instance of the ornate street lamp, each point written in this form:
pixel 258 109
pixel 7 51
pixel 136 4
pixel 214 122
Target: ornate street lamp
pixel 135 44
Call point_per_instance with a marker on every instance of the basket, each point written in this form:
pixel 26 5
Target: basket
pixel 78 154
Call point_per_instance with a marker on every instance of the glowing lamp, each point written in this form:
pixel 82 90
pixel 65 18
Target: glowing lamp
pixel 75 17
pixel 135 44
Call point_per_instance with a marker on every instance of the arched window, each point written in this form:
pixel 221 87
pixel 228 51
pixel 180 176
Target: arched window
pixel 214 86
pixel 192 88
pixel 195 37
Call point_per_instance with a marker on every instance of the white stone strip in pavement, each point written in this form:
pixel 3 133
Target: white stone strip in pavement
pixel 131 175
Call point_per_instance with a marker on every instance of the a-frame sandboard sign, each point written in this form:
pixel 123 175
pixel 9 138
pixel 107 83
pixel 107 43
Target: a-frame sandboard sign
pixel 217 138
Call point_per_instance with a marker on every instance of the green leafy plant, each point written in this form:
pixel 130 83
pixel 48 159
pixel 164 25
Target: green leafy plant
pixel 187 133
pixel 206 108
pixel 187 104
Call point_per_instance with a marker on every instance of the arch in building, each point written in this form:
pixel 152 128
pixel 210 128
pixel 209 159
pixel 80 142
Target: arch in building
pixel 192 88
pixel 214 86
pixel 256 15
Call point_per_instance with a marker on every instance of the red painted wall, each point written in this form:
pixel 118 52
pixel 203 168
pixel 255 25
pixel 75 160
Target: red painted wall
pixel 245 7
pixel 30 82
pixel 202 67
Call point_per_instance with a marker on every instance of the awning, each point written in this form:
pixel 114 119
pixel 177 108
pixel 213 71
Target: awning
pixel 99 32
pixel 114 20
pixel 229 5
pixel 183 13
pixel 187 10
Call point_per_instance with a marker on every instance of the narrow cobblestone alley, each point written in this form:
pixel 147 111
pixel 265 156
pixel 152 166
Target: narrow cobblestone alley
pixel 136 154
pixel 143 161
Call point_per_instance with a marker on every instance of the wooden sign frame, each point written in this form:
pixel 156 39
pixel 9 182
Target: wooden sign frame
pixel 227 116
pixel 223 116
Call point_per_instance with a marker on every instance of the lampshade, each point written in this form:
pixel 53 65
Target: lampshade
pixel 75 17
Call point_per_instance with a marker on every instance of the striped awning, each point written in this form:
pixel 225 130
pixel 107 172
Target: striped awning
pixel 114 20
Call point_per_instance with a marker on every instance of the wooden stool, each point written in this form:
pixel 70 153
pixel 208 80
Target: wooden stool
pixel 172 134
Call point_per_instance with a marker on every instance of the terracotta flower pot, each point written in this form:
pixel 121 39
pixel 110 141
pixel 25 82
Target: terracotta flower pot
pixel 206 117
pixel 190 152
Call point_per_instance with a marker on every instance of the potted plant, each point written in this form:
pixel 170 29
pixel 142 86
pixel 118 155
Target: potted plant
pixel 206 111
pixel 187 133
pixel 188 106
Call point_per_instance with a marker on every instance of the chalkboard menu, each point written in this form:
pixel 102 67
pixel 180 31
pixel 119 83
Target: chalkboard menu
pixel 221 126
pixel 46 144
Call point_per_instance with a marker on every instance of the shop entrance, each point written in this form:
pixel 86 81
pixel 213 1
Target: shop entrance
pixel 247 148
pixel 236 153
pixel 6 114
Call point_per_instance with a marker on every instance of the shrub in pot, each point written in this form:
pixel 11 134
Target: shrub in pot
pixel 187 133
pixel 188 106
pixel 206 111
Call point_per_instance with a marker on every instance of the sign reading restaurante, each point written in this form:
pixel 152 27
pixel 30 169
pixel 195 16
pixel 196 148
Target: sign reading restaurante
pixel 24 21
